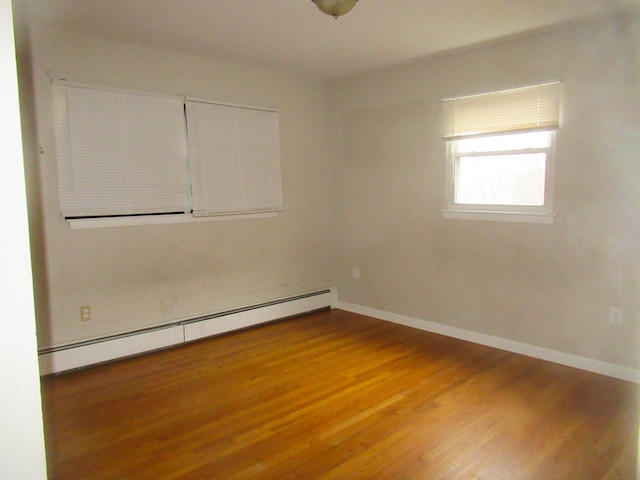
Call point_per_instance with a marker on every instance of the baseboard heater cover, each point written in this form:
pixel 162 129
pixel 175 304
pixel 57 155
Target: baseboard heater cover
pixel 89 352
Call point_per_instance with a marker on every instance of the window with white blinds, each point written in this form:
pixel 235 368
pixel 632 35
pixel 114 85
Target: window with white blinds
pixel 119 153
pixel 500 154
pixel 234 156
pixel 128 154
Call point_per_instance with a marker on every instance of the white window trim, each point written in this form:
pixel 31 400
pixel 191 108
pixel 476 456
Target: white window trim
pixel 516 217
pixel 164 219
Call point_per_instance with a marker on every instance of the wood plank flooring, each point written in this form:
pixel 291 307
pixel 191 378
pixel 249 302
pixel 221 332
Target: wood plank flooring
pixel 334 395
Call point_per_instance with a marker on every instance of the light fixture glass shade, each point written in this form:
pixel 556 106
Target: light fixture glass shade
pixel 335 8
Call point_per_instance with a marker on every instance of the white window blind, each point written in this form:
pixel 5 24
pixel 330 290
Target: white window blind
pixel 234 155
pixel 120 153
pixel 520 109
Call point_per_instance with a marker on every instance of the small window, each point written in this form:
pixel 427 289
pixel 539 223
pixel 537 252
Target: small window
pixel 500 154
pixel 502 170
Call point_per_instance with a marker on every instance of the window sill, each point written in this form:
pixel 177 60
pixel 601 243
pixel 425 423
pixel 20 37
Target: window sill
pixel 78 224
pixel 516 217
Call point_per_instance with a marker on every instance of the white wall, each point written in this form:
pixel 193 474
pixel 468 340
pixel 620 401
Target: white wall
pixel 139 276
pixel 21 436
pixel 543 285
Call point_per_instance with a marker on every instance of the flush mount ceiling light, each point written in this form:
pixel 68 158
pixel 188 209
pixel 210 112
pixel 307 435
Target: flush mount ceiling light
pixel 335 8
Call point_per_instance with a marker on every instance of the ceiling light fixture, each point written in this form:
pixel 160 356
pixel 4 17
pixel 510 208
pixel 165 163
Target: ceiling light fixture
pixel 335 8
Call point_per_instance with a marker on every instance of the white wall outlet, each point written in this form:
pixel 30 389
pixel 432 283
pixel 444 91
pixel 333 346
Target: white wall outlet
pixel 85 313
pixel 355 273
pixel 616 316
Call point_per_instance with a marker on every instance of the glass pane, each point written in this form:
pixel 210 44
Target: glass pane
pixel 501 179
pixel 501 143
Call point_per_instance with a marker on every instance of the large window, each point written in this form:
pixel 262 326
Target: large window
pixel 124 154
pixel 500 154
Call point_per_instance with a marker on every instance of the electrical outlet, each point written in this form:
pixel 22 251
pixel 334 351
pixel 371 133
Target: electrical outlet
pixel 355 273
pixel 616 316
pixel 85 313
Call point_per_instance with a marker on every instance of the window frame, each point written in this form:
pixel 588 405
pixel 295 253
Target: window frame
pixel 532 213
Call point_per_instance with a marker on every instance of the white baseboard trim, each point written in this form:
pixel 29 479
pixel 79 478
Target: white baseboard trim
pixel 93 351
pixel 582 363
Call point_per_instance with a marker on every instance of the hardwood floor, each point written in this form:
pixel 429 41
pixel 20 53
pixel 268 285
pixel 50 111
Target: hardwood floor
pixel 334 395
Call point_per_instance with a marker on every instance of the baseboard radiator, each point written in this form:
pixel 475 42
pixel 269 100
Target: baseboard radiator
pixel 89 352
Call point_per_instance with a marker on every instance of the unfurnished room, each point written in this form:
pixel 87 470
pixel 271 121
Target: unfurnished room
pixel 321 239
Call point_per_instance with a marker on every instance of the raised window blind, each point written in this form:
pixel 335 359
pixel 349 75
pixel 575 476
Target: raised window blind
pixel 234 155
pixel 120 153
pixel 516 110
